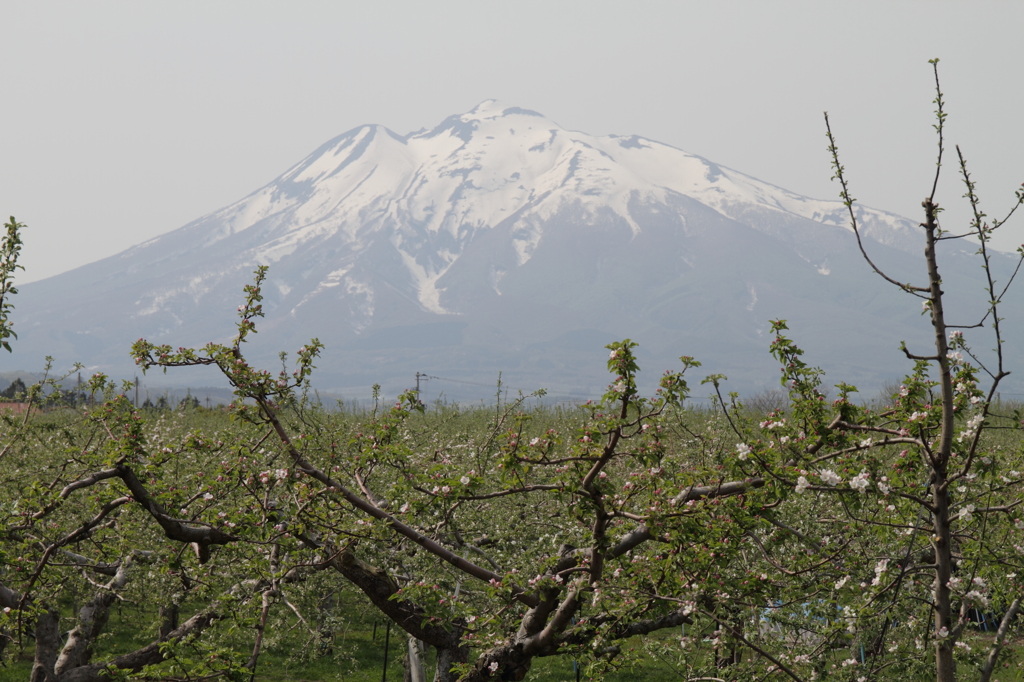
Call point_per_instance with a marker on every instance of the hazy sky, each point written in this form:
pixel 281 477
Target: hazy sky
pixel 123 120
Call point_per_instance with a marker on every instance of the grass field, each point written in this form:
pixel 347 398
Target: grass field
pixel 358 650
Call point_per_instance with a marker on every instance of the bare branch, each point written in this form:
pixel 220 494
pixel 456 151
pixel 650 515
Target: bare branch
pixel 175 529
pixel 997 646
pixel 848 201
pixel 89 480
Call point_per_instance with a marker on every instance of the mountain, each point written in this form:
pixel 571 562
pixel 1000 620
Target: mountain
pixel 501 242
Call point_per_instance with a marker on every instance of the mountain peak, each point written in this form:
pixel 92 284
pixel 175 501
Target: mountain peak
pixel 492 118
pixel 493 108
pixel 489 108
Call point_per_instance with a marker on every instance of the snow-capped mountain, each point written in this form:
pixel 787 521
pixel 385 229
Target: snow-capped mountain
pixel 499 241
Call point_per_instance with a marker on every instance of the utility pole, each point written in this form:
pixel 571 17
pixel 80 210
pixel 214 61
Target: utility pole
pixel 136 392
pixel 418 376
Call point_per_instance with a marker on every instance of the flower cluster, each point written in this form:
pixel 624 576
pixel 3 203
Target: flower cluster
pixel 860 481
pixel 971 429
pixel 830 477
pixel 279 474
pixel 880 569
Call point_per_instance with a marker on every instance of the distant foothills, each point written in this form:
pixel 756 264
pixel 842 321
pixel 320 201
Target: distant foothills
pixel 499 242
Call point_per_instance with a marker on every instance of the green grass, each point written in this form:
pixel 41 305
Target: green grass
pixel 358 656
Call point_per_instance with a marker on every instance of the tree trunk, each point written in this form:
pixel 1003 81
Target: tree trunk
pixel 446 658
pixel 168 620
pixel 414 670
pixel 92 618
pixel 942 540
pixel 47 645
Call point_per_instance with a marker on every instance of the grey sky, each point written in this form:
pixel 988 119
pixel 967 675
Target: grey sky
pixel 124 120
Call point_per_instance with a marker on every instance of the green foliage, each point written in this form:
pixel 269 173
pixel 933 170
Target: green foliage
pixel 10 249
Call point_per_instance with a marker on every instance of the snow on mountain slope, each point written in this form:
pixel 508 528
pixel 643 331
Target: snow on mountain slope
pixel 431 191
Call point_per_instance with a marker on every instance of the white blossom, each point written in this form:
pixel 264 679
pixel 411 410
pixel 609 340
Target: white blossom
pixel 830 477
pixel 860 481
pixel 977 596
pixel 802 484
pixel 880 568
pixel 742 451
